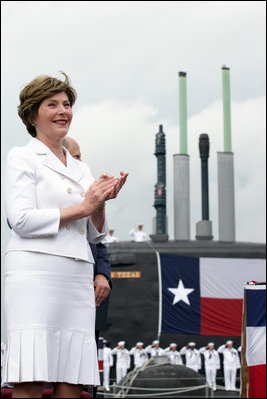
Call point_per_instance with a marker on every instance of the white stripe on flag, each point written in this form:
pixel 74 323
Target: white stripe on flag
pixel 225 277
pixel 256 346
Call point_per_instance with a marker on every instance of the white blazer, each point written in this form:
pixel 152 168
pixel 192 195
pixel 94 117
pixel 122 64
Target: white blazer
pixel 37 186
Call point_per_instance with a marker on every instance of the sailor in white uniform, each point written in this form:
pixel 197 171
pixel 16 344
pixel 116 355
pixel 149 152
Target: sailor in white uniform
pixel 212 364
pixel 231 363
pixel 108 363
pixel 138 234
pixel 192 356
pixel 110 238
pixel 154 349
pixel 123 360
pixel 174 354
pixel 139 354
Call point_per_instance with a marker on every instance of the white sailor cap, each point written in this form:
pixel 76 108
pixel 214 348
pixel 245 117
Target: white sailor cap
pixel 172 345
pixel 155 342
pixel 192 344
pixel 121 343
pixel 139 344
pixel 229 342
pixel 105 341
pixel 211 344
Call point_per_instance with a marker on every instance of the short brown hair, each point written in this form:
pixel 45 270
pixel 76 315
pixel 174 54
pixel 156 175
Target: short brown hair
pixel 38 90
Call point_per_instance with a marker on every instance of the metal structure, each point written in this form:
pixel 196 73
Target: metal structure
pixel 181 171
pixel 226 191
pixel 204 227
pixel 160 188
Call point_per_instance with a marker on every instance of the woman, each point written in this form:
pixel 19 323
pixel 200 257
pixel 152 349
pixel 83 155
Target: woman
pixel 54 207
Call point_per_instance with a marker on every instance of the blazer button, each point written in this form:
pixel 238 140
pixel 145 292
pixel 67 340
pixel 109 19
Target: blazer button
pixel 69 190
pixel 82 193
pixel 82 231
pixel 62 176
pixel 68 226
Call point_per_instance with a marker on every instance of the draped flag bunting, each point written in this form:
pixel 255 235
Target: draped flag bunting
pixel 100 354
pixel 253 376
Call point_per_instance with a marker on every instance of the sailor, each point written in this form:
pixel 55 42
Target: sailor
pixel 107 364
pixel 139 354
pixel 154 349
pixel 192 356
pixel 110 237
pixel 212 364
pixel 123 360
pixel 138 234
pixel 174 354
pixel 231 363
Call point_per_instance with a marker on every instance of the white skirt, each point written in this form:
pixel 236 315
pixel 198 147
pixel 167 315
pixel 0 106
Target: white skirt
pixel 50 314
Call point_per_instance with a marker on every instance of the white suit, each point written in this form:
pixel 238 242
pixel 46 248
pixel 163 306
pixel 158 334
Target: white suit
pixel 138 235
pixel 49 273
pixel 140 356
pixel 107 364
pixel 110 239
pixel 154 351
pixel 174 356
pixel 123 363
pixel 212 364
pixel 3 353
pixel 231 363
pixel 192 358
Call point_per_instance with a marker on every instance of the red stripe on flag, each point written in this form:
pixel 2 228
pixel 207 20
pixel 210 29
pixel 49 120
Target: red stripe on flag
pixel 257 381
pixel 221 316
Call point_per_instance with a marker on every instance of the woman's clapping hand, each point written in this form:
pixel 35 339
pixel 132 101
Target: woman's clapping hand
pixel 118 186
pixel 105 188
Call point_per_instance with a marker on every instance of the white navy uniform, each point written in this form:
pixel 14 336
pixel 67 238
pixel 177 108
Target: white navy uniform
pixel 175 356
pixel 138 235
pixel 231 363
pixel 123 363
pixel 107 364
pixel 109 239
pixel 212 364
pixel 192 358
pixel 140 356
pixel 48 270
pixel 154 351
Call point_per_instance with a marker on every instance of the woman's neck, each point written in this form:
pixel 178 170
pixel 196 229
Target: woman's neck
pixel 55 147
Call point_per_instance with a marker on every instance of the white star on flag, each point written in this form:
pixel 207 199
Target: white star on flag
pixel 180 293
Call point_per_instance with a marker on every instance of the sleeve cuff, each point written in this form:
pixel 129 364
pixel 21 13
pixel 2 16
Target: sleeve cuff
pixel 94 236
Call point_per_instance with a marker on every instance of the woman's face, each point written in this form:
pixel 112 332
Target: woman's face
pixel 54 117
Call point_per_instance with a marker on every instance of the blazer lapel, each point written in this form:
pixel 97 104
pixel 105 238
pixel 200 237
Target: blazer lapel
pixel 72 171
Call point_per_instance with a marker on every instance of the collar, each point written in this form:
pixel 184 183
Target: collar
pixel 72 170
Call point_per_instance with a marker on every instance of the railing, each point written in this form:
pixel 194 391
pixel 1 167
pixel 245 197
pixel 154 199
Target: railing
pixel 124 391
pixel 154 392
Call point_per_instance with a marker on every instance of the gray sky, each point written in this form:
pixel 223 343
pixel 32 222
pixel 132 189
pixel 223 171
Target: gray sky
pixel 123 58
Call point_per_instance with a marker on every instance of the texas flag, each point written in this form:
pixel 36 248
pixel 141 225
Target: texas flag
pixel 255 308
pixel 204 295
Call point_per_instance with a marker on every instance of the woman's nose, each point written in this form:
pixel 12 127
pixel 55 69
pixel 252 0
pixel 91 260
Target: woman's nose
pixel 62 109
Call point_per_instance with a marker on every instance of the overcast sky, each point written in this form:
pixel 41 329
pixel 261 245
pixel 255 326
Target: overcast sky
pixel 123 59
